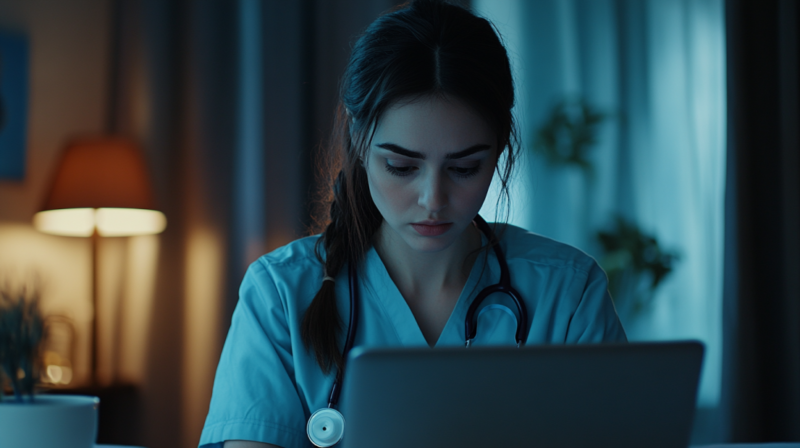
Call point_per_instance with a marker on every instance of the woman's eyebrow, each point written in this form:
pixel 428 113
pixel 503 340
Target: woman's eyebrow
pixel 418 155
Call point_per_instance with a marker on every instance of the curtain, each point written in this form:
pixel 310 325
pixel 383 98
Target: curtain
pixel 656 70
pixel 230 100
pixel 762 299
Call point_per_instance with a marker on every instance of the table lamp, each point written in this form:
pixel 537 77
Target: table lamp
pixel 100 188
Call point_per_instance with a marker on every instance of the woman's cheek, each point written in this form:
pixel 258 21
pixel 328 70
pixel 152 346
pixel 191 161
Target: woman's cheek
pixel 395 193
pixel 474 197
pixel 386 194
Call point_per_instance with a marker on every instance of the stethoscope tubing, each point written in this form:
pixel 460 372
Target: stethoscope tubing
pixel 503 286
pixel 470 322
pixel 351 333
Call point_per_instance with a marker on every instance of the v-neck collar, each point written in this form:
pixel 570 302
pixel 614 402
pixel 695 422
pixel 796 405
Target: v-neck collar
pixel 379 285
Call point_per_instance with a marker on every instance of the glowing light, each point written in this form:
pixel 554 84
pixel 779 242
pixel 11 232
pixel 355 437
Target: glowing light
pixel 109 221
pixel 54 374
pixel 66 375
pixel 66 222
pixel 129 221
pixel 58 374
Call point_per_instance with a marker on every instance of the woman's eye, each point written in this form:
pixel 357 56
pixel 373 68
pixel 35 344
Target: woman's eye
pixel 466 171
pixel 407 170
pixel 399 170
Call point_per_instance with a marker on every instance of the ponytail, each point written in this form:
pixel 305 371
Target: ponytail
pixel 354 219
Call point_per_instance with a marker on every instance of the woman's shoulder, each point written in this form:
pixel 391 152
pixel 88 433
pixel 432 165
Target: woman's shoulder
pixel 282 276
pixel 298 254
pixel 520 245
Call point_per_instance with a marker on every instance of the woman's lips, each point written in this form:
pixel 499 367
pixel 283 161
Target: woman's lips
pixel 432 229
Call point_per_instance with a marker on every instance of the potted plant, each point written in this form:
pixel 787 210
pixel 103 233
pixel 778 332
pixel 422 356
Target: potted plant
pixel 568 134
pixel 28 420
pixel 635 264
pixel 633 259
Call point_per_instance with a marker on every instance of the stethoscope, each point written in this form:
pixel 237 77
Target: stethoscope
pixel 325 427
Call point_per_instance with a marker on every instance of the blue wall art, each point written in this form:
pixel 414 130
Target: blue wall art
pixel 13 104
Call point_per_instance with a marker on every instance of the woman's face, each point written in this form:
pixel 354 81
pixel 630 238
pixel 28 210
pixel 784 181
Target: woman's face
pixel 429 167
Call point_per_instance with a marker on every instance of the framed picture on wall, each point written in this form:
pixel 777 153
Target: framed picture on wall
pixel 13 104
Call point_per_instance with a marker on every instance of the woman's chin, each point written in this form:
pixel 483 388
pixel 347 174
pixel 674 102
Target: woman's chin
pixel 430 244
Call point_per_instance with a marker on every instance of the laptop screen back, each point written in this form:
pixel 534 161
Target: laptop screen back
pixel 618 395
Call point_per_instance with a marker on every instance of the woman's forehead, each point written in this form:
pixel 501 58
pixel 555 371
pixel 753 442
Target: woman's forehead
pixel 433 124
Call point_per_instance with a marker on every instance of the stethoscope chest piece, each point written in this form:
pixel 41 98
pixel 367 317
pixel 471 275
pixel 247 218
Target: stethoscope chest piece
pixel 325 427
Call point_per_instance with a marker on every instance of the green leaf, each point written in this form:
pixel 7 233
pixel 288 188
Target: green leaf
pixel 568 134
pixel 634 262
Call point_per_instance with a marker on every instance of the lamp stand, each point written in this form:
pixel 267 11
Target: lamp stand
pixel 95 288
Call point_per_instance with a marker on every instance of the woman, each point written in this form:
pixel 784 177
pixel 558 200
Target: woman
pixel 425 118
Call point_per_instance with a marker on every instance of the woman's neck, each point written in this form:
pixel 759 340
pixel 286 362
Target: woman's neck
pixel 428 274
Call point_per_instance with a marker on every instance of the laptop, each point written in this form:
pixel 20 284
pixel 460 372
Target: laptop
pixel 551 396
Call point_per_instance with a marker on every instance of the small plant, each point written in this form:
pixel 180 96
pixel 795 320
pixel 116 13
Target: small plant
pixel 21 330
pixel 568 133
pixel 635 264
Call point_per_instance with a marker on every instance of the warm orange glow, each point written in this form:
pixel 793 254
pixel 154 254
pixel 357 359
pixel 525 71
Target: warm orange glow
pixel 129 221
pixel 63 264
pixel 66 222
pixel 109 221
pixel 205 262
pixel 136 304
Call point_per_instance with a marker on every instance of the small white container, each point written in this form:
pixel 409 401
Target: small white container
pixel 50 421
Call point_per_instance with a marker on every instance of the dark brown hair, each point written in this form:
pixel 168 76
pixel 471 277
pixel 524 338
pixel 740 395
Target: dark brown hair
pixel 424 48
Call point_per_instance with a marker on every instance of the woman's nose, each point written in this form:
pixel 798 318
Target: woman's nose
pixel 433 195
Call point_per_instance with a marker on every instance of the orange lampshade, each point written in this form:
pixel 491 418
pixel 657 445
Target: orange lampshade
pixel 100 183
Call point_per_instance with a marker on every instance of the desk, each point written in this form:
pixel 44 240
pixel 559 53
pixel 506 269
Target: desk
pixel 116 446
pixel 751 445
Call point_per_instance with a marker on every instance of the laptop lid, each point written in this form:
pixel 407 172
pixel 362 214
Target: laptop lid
pixel 591 396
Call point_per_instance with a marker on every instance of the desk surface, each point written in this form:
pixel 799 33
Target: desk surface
pixel 729 445
pixel 117 446
pixel 751 445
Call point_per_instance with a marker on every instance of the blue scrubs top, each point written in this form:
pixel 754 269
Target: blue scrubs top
pixel 267 384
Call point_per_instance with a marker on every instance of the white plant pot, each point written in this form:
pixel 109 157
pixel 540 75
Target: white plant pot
pixel 50 421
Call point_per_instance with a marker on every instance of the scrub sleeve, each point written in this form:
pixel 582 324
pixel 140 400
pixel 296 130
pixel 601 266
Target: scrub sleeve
pixel 255 396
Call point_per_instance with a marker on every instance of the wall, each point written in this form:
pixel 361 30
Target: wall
pixel 68 44
pixel 70 47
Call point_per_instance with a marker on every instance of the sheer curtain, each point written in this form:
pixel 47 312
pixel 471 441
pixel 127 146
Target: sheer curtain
pixel 657 69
